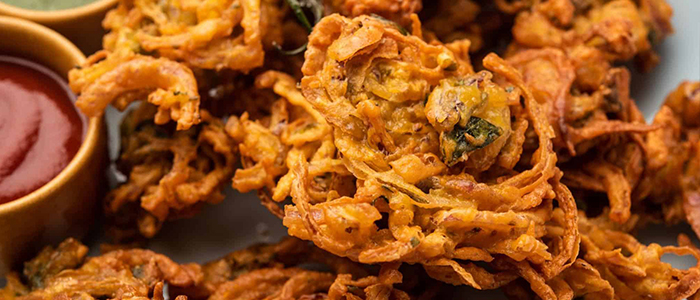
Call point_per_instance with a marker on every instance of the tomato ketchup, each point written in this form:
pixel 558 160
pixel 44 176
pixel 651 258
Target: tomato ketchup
pixel 40 129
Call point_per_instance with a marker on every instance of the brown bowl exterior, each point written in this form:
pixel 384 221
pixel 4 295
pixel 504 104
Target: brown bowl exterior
pixel 67 205
pixel 82 25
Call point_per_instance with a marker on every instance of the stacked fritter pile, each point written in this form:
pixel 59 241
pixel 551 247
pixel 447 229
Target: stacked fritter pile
pixel 385 146
pixel 258 272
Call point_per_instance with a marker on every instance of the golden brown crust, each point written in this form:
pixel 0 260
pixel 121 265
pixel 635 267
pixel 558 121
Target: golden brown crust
pixel 409 170
pixel 123 78
pixel 258 272
pixel 169 174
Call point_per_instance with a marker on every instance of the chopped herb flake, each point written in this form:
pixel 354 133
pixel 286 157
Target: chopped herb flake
pixel 415 242
pixel 482 134
pixel 391 23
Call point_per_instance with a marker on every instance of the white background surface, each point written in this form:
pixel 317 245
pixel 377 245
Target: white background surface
pixel 240 220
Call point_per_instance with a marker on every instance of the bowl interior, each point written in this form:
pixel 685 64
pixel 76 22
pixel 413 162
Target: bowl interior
pixel 56 16
pixel 44 46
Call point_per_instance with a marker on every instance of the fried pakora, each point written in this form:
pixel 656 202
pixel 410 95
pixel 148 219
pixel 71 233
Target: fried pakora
pixel 654 169
pixel 671 178
pixel 170 174
pixel 447 21
pixel 273 272
pixel 614 265
pixel 599 129
pixel 398 152
pixel 391 150
pixel 566 51
pixel 395 10
pixel 123 274
pixel 122 77
pixel 258 272
pixel 154 49
pixel 620 29
pixel 292 126
pixel 202 34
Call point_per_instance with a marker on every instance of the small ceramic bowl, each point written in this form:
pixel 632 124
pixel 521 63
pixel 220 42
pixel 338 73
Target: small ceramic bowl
pixel 66 205
pixel 82 25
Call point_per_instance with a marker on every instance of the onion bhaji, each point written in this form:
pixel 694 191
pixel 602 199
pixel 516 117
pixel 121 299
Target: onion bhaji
pixel 671 178
pixel 614 265
pixel 203 34
pixel 399 11
pixel 450 20
pixel 566 51
pixel 154 49
pixel 599 129
pixel 653 166
pixel 170 173
pixel 380 169
pixel 392 149
pixel 259 272
pixel 398 152
pixel 66 273
pixel 619 29
pixel 122 77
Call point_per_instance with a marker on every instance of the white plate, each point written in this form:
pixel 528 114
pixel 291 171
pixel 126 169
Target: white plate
pixel 240 220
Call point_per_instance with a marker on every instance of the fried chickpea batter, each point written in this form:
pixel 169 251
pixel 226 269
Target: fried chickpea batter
pixel 391 150
pixel 170 174
pixel 272 272
pixel 566 51
pixel 154 46
pixel 395 10
pixel 122 77
pixel 671 178
pixel 293 126
pixel 599 129
pixel 635 270
pixel 456 20
pixel 383 149
pixel 614 265
pixel 259 272
pixel 620 29
pixel 122 274
pixel 204 34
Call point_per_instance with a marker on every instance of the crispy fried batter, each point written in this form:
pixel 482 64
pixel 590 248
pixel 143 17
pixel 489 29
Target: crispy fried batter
pixel 599 128
pixel 206 34
pixel 49 262
pixel 635 270
pixel 456 20
pixel 122 274
pixel 391 150
pixel 170 174
pixel 258 272
pixel 264 145
pixel 620 29
pixel 395 10
pixel 383 149
pixel 565 50
pixel 185 36
pixel 671 178
pixel 122 77
pixel 614 265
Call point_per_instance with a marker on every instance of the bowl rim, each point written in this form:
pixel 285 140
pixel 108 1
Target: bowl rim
pixel 55 16
pixel 92 134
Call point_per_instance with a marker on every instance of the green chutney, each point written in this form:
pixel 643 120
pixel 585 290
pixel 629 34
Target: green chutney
pixel 47 4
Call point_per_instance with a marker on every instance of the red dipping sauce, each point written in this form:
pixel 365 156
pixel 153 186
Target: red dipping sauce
pixel 40 129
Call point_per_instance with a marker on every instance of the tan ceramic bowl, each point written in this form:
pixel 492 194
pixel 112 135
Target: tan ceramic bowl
pixel 66 205
pixel 82 25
